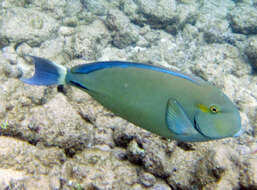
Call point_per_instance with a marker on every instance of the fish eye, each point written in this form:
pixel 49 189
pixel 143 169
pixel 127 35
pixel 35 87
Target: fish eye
pixel 214 109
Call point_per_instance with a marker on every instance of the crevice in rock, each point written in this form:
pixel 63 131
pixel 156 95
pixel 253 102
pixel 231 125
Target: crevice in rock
pixel 62 89
pixel 251 187
pixel 185 146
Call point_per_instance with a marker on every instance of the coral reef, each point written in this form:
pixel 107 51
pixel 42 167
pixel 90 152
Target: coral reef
pixel 60 138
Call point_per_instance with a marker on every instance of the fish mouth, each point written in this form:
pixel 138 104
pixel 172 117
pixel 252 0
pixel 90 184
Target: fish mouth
pixel 197 128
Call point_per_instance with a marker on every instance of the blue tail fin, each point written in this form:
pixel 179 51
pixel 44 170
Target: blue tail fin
pixel 46 73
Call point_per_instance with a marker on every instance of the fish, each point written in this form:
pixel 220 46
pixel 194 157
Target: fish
pixel 168 103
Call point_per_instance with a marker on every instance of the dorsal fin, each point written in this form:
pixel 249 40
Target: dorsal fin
pixel 91 67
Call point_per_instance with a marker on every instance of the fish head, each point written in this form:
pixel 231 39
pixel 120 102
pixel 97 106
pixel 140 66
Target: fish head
pixel 217 117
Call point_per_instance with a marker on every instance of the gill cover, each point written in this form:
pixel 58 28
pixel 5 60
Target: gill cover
pixel 215 126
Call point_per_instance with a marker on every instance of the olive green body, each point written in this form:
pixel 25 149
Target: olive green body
pixel 140 96
pixel 165 102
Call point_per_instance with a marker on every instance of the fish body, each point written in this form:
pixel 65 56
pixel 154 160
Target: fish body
pixel 165 102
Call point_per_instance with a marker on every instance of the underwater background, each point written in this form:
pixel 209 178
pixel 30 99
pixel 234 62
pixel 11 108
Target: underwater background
pixel 61 139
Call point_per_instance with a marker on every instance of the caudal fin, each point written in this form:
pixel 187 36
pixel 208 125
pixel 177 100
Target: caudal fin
pixel 46 73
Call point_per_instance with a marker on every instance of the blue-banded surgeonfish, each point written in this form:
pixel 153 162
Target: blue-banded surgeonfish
pixel 168 103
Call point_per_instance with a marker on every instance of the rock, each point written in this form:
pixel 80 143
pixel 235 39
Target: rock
pixel 124 32
pixel 248 172
pixel 135 153
pixel 54 124
pixel 243 19
pixel 50 49
pixel 119 153
pixel 14 3
pixel 101 170
pixel 162 51
pixel 66 31
pixel 103 135
pixel 182 168
pixel 190 32
pixel 36 26
pixel 218 167
pixel 98 8
pixel 155 160
pixel 89 40
pixel 210 64
pixel 56 9
pixel 167 15
pixel 73 8
pixel 8 175
pixel 215 29
pixel 251 51
pixel 253 118
pixel 160 186
pixel 113 53
pixel 9 66
pixel 147 152
pixel 87 108
pixel 28 182
pixel 156 13
pixel 186 13
pixel 130 8
pixel 151 36
pixel 12 71
pixel 151 56
pixel 21 161
pixel 147 179
pixel 136 187
pixel 122 136
pixel 69 130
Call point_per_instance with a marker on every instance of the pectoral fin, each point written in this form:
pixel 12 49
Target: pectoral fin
pixel 176 118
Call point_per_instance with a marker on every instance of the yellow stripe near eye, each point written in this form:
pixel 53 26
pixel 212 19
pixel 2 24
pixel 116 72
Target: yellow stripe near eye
pixel 203 108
